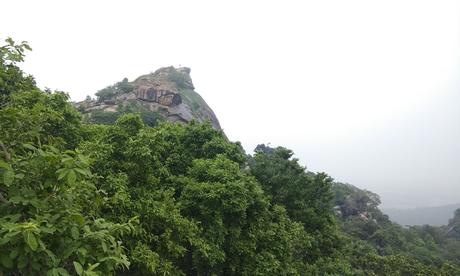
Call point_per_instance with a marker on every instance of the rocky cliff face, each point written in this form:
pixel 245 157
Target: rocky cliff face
pixel 168 93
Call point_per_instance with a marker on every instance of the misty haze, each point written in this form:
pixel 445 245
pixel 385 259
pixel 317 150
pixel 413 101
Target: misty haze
pixel 206 138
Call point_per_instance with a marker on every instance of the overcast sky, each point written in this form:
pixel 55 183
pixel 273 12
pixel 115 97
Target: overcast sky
pixel 367 91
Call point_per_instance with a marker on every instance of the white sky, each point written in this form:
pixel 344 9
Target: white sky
pixel 367 91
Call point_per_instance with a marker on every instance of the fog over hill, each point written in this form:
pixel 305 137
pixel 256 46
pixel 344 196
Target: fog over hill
pixel 438 215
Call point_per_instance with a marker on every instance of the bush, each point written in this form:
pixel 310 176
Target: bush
pixel 110 92
pixel 103 117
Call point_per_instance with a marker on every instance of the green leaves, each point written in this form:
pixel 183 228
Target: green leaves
pixel 78 218
pixel 57 272
pixel 6 260
pixel 8 177
pixel 71 176
pixel 12 79
pixel 30 239
pixel 306 196
pixel 75 168
pixel 12 52
pixel 29 147
pixel 47 222
pixel 78 268
pixel 6 173
pixel 75 233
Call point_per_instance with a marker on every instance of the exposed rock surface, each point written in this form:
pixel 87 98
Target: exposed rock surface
pixel 168 92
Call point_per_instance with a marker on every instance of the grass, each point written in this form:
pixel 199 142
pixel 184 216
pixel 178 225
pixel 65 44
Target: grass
pixel 192 99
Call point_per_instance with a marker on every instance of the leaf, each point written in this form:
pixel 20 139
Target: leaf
pixel 5 165
pixel 8 178
pixel 92 267
pixel 62 271
pixel 69 250
pixel 14 253
pixel 57 271
pixel 53 149
pixel 42 153
pixel 6 261
pixel 29 146
pixel 62 173
pixel 78 219
pixel 71 177
pixel 41 244
pixel 78 268
pixel 18 199
pixel 22 261
pixel 4 240
pixel 74 232
pixel 52 272
pixel 81 171
pixel 52 256
pixel 104 246
pixel 30 239
pixel 67 160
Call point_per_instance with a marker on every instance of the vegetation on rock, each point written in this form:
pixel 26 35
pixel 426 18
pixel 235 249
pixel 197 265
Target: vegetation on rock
pixel 166 95
pixel 110 92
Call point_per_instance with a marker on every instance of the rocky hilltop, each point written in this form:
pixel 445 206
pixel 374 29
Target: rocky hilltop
pixel 167 94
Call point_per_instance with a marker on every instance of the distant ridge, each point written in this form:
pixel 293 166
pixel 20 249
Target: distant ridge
pixel 438 215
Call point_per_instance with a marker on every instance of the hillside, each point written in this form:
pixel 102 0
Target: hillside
pixel 361 219
pixel 438 215
pixel 167 94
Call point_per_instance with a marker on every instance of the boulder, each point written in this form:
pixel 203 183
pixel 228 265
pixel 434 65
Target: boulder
pixel 168 91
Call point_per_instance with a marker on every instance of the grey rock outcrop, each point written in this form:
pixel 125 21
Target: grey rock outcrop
pixel 169 91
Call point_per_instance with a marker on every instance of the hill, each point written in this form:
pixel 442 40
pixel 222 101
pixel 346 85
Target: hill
pixel 167 94
pixel 438 215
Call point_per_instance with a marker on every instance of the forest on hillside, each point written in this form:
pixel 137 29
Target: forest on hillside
pixel 79 198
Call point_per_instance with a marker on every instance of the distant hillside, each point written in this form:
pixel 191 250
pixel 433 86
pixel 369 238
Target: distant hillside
pixel 438 216
pixel 166 95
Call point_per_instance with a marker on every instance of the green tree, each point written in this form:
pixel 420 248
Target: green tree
pixel 200 212
pixel 49 222
pixel 49 219
pixel 111 91
pixel 12 79
pixel 306 196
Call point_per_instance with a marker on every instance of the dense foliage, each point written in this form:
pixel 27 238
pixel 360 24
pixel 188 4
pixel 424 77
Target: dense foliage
pixel 130 199
pixel 150 118
pixel 11 76
pixel 426 245
pixel 110 92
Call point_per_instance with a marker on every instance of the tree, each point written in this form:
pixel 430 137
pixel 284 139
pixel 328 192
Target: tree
pixel 200 212
pixel 12 79
pixel 49 219
pixel 111 91
pixel 306 196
